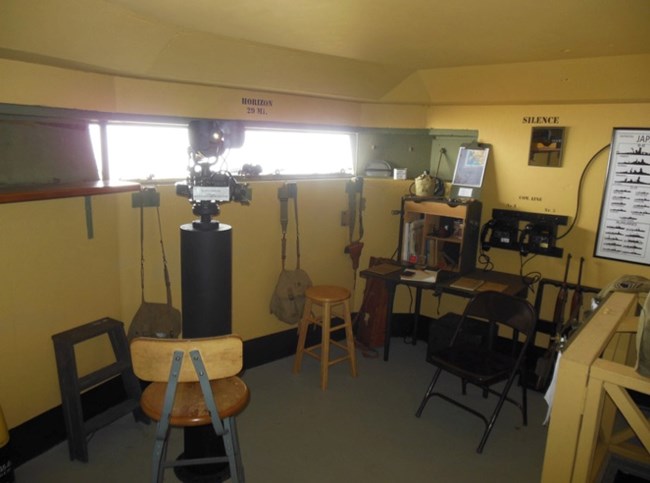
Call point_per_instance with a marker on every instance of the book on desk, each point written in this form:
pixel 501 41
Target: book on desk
pixel 477 285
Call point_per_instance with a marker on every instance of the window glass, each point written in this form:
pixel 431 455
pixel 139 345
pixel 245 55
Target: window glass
pixel 140 151
pixel 294 152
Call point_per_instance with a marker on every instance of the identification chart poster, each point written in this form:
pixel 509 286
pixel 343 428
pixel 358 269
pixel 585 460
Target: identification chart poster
pixel 625 213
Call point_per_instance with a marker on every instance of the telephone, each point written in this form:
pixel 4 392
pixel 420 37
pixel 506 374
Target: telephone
pixel 499 233
pixel 536 238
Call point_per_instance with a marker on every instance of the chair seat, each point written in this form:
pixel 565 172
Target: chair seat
pixel 230 394
pixel 327 294
pixel 474 364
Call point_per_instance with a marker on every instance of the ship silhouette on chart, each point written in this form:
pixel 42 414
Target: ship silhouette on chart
pixel 639 171
pixel 636 162
pixel 633 180
pixel 638 151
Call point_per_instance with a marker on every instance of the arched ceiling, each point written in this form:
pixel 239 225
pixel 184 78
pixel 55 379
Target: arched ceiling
pixel 350 49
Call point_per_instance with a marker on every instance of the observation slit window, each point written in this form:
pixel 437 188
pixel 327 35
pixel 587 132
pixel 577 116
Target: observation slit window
pixel 138 151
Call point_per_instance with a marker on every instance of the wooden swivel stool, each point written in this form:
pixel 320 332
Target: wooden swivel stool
pixel 194 383
pixel 329 298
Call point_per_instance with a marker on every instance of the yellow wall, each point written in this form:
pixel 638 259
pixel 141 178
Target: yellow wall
pixel 55 278
pixel 511 184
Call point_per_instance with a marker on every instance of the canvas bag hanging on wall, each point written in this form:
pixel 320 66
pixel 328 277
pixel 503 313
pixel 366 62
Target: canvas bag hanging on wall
pixel 154 319
pixel 288 299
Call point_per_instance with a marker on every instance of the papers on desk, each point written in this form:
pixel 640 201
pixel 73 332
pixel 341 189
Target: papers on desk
pixel 415 275
pixel 384 268
pixel 466 283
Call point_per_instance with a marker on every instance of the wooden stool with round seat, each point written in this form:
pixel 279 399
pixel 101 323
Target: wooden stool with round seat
pixel 332 300
pixel 193 383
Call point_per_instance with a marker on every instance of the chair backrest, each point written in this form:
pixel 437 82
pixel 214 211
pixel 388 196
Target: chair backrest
pixel 501 309
pixel 152 357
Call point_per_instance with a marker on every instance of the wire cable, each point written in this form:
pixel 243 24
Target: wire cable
pixel 531 278
pixel 485 260
pixel 582 177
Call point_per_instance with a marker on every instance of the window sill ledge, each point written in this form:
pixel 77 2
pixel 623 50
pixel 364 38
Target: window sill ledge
pixel 67 190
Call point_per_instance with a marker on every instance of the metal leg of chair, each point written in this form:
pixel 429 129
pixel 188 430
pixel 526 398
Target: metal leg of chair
pixel 163 460
pixel 427 394
pixel 524 403
pixel 230 453
pixel 495 414
pixel 236 465
pixel 159 449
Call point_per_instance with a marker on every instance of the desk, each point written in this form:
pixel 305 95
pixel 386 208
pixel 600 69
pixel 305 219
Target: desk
pixel 514 285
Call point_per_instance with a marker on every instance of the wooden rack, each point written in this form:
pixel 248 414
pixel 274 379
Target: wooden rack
pixel 595 373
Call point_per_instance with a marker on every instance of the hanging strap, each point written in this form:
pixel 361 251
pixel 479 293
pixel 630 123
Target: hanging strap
pixel 284 193
pixel 354 189
pixel 164 257
pixel 295 211
pixel 168 285
pixel 142 250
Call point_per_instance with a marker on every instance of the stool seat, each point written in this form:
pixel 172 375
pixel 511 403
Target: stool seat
pixel 328 298
pixel 193 382
pixel 327 293
pixel 231 396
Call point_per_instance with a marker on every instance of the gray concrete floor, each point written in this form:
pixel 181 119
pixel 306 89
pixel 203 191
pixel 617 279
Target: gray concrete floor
pixel 360 430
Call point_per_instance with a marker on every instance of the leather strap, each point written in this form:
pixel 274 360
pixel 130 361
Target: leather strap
pixel 354 189
pixel 283 195
pixel 164 257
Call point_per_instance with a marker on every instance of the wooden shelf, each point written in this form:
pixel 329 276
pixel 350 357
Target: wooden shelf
pixel 545 150
pixel 66 190
pixel 451 239
pixel 420 223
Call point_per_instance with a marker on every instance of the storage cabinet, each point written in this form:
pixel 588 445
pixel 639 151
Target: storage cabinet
pixel 439 233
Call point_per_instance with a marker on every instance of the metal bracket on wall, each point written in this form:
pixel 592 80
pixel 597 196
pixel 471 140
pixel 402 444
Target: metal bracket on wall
pixel 147 197
pixel 88 206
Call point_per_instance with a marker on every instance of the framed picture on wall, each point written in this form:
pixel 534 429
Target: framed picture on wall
pixel 470 166
pixel 470 170
pixel 624 225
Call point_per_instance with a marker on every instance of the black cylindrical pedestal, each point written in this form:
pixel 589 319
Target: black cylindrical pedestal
pixel 206 282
